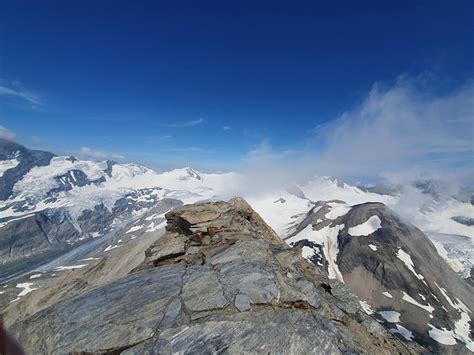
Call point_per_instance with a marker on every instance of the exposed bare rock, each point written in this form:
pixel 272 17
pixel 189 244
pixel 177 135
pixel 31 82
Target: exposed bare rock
pixel 219 280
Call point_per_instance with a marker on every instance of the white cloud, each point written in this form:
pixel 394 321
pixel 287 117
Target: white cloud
pixel 89 153
pixel 226 128
pixel 399 127
pixel 406 128
pixel 20 93
pixel 5 133
pixel 186 123
pixel 265 153
pixel 265 168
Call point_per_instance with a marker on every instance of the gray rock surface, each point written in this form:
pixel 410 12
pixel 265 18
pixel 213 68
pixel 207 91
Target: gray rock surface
pixel 35 234
pixel 240 290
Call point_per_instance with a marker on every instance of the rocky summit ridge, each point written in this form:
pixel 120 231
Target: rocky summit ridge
pixel 219 280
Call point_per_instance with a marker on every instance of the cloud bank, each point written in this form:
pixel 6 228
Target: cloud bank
pixel 400 128
pixel 396 135
pixel 5 133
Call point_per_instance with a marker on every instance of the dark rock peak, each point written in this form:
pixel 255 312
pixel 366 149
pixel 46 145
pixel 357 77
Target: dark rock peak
pixel 296 191
pixel 108 169
pixel 192 173
pixel 468 221
pixel 71 179
pixel 400 259
pixel 27 160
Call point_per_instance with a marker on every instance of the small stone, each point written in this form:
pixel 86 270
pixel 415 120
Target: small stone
pixel 206 240
pixel 242 302
pixel 217 238
pixel 212 231
pixel 192 250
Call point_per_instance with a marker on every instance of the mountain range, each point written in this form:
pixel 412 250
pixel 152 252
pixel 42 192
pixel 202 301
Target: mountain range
pixel 73 231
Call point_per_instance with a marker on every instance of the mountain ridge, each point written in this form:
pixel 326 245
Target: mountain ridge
pixel 64 215
pixel 210 299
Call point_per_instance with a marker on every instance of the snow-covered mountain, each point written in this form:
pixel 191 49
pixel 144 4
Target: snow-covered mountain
pixel 60 208
pixel 65 190
pixel 64 200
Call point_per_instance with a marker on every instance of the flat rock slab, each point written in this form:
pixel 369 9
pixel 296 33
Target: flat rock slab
pixel 270 332
pixel 168 246
pixel 112 316
pixel 202 291
pixel 242 302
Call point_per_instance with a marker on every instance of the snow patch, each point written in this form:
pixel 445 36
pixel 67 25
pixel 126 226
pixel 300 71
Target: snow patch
pixel 387 294
pixel 110 247
pixel 327 237
pixel 390 316
pixel 366 228
pixel 307 252
pixel 373 247
pixel 366 307
pixel 442 336
pixel 35 276
pixel 406 258
pixel 152 227
pixel 406 297
pixel 462 328
pixel 7 165
pixel 71 267
pixel 27 288
pixel 135 228
pixel 337 210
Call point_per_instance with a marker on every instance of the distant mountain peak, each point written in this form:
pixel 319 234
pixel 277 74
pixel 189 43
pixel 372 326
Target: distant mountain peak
pixel 193 173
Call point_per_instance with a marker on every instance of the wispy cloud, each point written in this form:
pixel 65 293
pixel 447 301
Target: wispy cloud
pixel 189 150
pixel 158 138
pixel 17 92
pixel 89 153
pixel 264 168
pixel 226 128
pixel 400 126
pixel 5 133
pixel 264 153
pixel 186 123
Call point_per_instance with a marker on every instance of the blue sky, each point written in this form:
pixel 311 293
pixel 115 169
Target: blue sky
pixel 213 84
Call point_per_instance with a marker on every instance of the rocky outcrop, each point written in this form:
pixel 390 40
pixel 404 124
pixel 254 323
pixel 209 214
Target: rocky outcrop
pixel 219 280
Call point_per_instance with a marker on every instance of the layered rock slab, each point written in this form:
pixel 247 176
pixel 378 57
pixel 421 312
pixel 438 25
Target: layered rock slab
pixel 218 281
